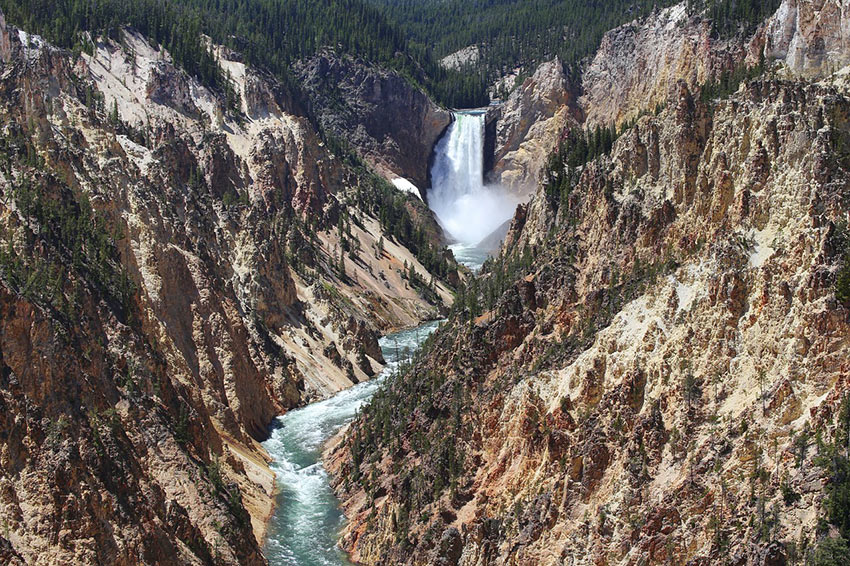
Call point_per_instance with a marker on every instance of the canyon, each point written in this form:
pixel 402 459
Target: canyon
pixel 177 272
pixel 651 369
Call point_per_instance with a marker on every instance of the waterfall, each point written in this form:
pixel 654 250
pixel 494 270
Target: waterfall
pixel 459 161
pixel 468 210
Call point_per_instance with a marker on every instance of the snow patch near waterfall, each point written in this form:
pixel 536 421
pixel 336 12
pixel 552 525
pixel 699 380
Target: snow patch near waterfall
pixel 406 186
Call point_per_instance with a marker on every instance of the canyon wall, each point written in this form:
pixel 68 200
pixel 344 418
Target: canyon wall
pixel 531 121
pixel 178 268
pixel 652 370
pixel 639 65
pixel 388 121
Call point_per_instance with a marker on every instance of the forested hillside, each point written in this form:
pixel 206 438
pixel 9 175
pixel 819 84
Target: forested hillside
pixel 271 34
pixel 515 33
pixel 408 36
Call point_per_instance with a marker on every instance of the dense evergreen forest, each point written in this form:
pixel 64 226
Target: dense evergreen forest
pixel 269 33
pixel 729 17
pixel 406 35
pixel 514 34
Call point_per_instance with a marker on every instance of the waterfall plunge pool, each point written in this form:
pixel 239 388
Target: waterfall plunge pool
pixel 472 257
pixel 305 526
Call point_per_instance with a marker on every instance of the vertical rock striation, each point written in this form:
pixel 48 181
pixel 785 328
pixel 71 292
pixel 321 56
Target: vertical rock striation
pixel 641 379
pixel 388 121
pixel 173 269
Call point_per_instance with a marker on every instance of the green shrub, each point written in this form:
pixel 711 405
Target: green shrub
pixel 831 552
pixel 789 496
pixel 842 284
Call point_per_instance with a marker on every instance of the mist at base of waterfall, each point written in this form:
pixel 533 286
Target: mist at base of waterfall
pixel 467 209
pixel 471 217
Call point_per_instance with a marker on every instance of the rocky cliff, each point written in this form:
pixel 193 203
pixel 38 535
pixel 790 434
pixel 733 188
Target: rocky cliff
pixel 177 269
pixel 388 121
pixel 638 67
pixel 530 124
pixel 812 38
pixel 655 368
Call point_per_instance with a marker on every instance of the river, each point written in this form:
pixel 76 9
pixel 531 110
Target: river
pixel 307 520
pixel 305 526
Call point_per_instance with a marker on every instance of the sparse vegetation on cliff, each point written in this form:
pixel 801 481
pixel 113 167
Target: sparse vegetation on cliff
pixel 600 358
pixel 575 150
pixel 395 211
pixel 834 458
pixel 729 81
pixel 63 243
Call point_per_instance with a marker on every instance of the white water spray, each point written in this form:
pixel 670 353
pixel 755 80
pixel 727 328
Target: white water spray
pixel 468 210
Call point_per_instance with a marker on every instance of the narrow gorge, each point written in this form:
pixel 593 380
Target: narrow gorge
pixel 520 282
pixel 307 519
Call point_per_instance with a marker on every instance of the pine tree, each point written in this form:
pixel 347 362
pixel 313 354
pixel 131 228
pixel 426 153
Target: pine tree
pixel 113 116
pixel 341 264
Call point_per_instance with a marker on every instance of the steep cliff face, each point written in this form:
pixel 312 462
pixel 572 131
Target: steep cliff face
pixel 812 38
pixel 529 125
pixel 638 67
pixel 640 378
pixel 107 438
pixel 388 121
pixel 178 268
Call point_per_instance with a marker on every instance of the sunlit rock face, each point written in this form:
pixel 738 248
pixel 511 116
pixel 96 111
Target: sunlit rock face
pixel 676 335
pixel 177 297
pixel 812 37
pixel 530 124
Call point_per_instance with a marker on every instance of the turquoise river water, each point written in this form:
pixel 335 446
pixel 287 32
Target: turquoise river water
pixel 307 521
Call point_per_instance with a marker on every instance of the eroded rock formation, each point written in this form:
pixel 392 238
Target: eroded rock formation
pixel 530 124
pixel 390 123
pixel 176 271
pixel 664 345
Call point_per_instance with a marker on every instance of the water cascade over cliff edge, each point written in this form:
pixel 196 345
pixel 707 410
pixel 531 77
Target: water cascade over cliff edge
pixel 468 210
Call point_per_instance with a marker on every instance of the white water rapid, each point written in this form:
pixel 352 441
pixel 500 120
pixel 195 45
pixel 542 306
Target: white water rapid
pixel 467 209
pixel 305 526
